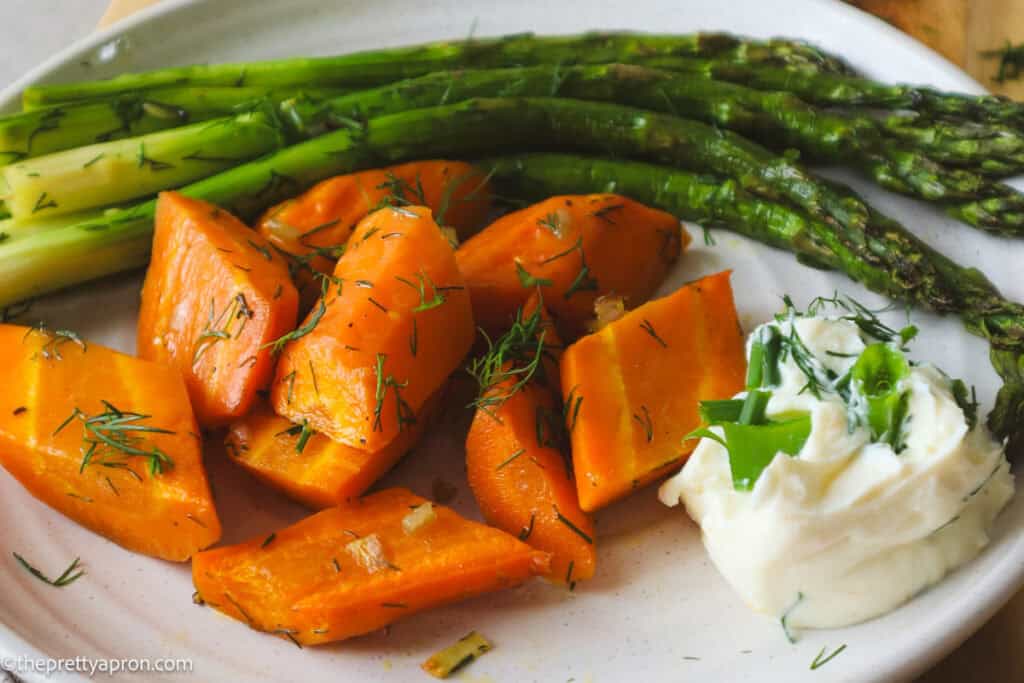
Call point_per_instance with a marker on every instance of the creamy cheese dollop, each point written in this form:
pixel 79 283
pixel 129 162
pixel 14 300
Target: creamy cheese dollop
pixel 847 529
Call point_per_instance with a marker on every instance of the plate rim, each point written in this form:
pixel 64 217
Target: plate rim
pixel 992 595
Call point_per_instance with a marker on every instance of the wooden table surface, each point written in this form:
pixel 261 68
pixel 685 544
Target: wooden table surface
pixel 959 30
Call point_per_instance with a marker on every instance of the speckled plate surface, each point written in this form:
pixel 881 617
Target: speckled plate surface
pixel 657 610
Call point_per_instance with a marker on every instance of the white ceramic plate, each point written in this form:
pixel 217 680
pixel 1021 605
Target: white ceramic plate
pixel 657 610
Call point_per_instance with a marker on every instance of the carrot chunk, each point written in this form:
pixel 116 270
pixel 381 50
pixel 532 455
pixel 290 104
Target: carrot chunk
pixel 394 322
pixel 520 480
pixel 632 389
pixel 309 467
pixel 352 569
pixel 317 224
pixel 215 295
pixel 107 440
pixel 575 248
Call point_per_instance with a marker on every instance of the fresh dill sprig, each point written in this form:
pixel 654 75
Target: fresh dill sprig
pixel 311 322
pixel 403 411
pixel 866 319
pixel 303 431
pixel 56 339
pixel 73 573
pixel 584 280
pixel 529 281
pixel 784 619
pixel 517 357
pixel 819 662
pixel 420 286
pixel 114 436
pixel 229 324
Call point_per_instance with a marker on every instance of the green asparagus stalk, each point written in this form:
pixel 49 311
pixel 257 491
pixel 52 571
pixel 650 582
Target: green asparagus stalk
pixel 376 67
pixel 847 90
pixel 487 126
pixel 961 143
pixel 118 171
pixel 955 289
pixel 61 127
pixel 775 117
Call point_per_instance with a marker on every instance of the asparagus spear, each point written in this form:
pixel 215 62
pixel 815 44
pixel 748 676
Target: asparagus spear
pixel 837 89
pixel 954 289
pixel 771 116
pixel 112 172
pixel 486 126
pixel 60 127
pixel 375 67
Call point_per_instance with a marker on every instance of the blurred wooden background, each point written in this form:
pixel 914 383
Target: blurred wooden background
pixel 960 30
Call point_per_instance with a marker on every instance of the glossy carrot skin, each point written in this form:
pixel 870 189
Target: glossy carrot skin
pixel 632 389
pixel 169 515
pixel 303 583
pixel 576 247
pixel 324 217
pixel 215 296
pixel 377 350
pixel 522 485
pixel 325 473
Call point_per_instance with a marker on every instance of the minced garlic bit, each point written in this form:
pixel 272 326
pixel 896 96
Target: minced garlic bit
pixel 417 519
pixel 369 553
pixel 449 660
pixel 607 309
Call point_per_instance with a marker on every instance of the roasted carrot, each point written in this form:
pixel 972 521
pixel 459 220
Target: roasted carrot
pixel 352 569
pixel 520 480
pixel 575 248
pixel 632 389
pixel 309 467
pixel 394 322
pixel 215 295
pixel 514 451
pixel 316 225
pixel 106 439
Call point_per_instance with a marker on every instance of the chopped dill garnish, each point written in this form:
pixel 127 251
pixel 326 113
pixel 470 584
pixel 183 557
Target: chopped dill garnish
pixel 311 322
pixel 647 327
pixel 263 251
pixel 423 280
pixel 784 619
pixel 525 532
pixel 510 458
pixel 73 573
pixel 229 324
pixel 44 202
pixel 269 539
pixel 517 357
pixel 303 431
pixel 571 409
pixel 553 223
pixel 403 411
pixel 56 339
pixel 819 662
pixel 604 212
pixel 575 529
pixel 644 421
pixel 114 436
pixel 527 280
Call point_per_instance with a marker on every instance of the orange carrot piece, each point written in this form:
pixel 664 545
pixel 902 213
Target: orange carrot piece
pixel 575 248
pixel 632 389
pixel 53 383
pixel 368 357
pixel 318 223
pixel 215 295
pixel 522 485
pixel 324 473
pixel 352 569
